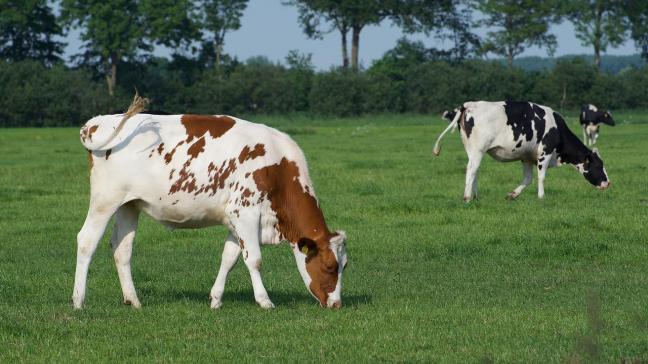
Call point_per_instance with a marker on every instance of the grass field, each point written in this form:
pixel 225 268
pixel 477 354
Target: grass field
pixel 430 278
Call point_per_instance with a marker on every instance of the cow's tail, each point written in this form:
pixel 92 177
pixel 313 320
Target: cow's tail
pixel 452 126
pixel 137 105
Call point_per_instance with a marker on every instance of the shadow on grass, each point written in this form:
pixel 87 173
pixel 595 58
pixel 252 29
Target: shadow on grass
pixel 279 298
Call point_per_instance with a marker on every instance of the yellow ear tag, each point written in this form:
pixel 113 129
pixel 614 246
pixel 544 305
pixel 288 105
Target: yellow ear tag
pixel 304 249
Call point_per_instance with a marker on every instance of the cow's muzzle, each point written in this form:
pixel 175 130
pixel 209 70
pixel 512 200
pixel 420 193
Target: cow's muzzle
pixel 604 185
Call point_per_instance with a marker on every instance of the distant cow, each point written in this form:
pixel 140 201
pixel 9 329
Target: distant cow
pixel 524 131
pixel 194 171
pixel 591 119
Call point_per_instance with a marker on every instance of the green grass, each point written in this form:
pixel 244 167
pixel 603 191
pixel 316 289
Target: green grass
pixel 430 278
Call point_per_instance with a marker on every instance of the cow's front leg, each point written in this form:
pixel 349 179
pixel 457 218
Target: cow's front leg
pixel 231 252
pixel 543 164
pixel 474 159
pixel 248 231
pixel 122 247
pixel 527 172
pixel 585 134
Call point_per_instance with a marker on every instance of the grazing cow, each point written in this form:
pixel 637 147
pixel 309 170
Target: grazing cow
pixel 194 171
pixel 449 114
pixel 521 131
pixel 591 119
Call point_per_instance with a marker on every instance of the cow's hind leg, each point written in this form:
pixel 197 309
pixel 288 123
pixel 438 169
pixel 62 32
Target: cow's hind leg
pixel 527 171
pixel 99 215
pixel 231 252
pixel 122 247
pixel 474 160
pixel 248 231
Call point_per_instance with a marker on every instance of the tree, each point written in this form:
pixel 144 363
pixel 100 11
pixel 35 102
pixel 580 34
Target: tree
pixel 313 13
pixel 637 15
pixel 523 23
pixel 27 29
pixel 114 31
pixel 219 17
pixel 598 23
pixel 355 15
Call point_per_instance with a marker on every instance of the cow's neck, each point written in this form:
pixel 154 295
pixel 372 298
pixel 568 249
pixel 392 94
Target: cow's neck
pixel 297 210
pixel 570 149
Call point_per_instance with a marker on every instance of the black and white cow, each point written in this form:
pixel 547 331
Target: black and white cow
pixel 591 119
pixel 521 131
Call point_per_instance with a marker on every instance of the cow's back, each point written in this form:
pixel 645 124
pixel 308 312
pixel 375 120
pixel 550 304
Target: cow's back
pixel 507 130
pixel 188 170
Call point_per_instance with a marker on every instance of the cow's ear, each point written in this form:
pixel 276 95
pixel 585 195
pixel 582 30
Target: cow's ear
pixel 339 238
pixel 307 246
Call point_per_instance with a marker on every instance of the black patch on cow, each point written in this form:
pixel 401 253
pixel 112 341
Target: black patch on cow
pixel 550 141
pixel 520 117
pixel 539 120
pixel 449 115
pixel 519 144
pixel 468 126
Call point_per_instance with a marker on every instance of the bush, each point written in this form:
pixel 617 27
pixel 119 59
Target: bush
pixel 405 80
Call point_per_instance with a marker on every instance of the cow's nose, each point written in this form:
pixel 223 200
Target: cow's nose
pixel 604 185
pixel 335 304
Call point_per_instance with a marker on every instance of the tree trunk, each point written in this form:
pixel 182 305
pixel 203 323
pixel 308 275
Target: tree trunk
pixel 111 76
pixel 345 53
pixel 509 58
pixel 598 35
pixel 355 46
pixel 218 52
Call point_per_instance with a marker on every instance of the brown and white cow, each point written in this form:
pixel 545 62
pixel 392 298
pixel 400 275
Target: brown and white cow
pixel 194 171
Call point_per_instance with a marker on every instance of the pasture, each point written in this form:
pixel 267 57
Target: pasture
pixel 430 278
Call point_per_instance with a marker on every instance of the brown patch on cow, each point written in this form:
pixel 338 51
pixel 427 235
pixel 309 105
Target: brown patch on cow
pixel 108 152
pixel 169 156
pixel 160 148
pixel 198 125
pixel 92 131
pixel 241 243
pixel 196 148
pixel 247 154
pixel 90 160
pixel 171 173
pixel 86 133
pixel 245 197
pixel 299 217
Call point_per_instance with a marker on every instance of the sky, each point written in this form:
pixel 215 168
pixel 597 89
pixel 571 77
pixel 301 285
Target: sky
pixel 271 29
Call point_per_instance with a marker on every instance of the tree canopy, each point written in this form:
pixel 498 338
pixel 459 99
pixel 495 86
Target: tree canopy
pixel 28 30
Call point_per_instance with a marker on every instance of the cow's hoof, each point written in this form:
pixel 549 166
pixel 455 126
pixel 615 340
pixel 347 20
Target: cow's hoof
pixel 512 196
pixel 215 304
pixel 266 304
pixel 134 303
pixel 467 199
pixel 77 303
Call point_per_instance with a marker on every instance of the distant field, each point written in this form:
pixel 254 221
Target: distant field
pixel 430 278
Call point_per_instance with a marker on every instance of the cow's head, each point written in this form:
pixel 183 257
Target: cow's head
pixel 593 170
pixel 606 118
pixel 321 266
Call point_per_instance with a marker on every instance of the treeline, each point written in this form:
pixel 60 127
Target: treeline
pixel 400 82
pixel 39 88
